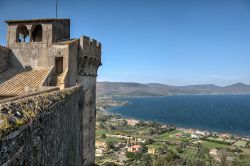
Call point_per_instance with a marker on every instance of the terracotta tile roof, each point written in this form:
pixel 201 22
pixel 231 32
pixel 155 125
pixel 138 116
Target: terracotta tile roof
pixel 13 81
pixel 136 146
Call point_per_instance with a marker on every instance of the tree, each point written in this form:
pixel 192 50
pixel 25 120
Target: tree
pixel 101 125
pixel 165 148
pixel 111 127
pixel 134 156
pixel 151 131
pixel 102 118
pixel 146 160
pixel 170 156
pixel 123 123
pixel 160 161
pixel 201 151
pixel 179 149
pixel 110 144
pixel 109 164
pixel 184 143
pixel 248 144
pixel 199 163
pixel 141 124
pixel 149 141
pixel 103 136
pixel 160 150
pixel 223 157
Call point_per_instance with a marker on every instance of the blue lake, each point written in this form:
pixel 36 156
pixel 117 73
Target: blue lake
pixel 222 113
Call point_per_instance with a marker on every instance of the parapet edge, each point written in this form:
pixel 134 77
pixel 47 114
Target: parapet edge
pixel 13 114
pixel 4 47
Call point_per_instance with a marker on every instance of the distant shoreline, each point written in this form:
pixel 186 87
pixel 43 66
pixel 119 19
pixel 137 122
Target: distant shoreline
pixel 181 128
pixel 177 127
pixel 184 128
pixel 205 94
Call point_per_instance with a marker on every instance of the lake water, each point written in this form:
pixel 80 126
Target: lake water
pixel 222 113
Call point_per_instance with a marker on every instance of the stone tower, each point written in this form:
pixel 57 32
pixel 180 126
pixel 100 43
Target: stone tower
pixel 89 61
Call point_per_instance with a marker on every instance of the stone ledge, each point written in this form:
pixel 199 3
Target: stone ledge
pixel 4 47
pixel 22 111
pixel 35 20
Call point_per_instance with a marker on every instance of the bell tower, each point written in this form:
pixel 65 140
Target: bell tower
pixel 32 41
pixel 37 31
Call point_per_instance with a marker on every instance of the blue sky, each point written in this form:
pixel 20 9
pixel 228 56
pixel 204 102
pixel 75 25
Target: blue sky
pixel 175 42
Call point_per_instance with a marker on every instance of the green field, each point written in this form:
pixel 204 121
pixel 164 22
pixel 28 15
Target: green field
pixel 211 145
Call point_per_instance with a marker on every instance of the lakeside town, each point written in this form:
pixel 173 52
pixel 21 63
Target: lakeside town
pixel 123 141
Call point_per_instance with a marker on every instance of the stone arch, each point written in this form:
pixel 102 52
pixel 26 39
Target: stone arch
pixel 37 33
pixel 22 34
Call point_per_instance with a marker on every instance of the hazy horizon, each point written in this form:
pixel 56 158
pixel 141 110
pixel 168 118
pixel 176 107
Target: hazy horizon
pixel 173 84
pixel 168 42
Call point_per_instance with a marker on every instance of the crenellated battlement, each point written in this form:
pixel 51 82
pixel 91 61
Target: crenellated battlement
pixel 90 42
pixel 89 56
pixel 90 47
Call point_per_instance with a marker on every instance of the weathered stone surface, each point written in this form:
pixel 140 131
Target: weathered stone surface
pixel 89 118
pixel 89 57
pixel 89 62
pixel 4 58
pixel 51 137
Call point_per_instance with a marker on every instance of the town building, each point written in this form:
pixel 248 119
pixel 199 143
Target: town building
pixel 135 148
pixel 152 151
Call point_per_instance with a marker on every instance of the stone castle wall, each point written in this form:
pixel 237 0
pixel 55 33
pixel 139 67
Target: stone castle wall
pixel 43 130
pixel 89 118
pixel 4 58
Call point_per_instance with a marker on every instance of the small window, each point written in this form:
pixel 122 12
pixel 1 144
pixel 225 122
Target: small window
pixel 37 33
pixel 22 34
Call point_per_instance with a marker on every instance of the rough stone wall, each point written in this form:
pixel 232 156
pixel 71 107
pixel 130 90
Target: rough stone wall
pixel 4 58
pixel 89 61
pixel 32 54
pixel 43 129
pixel 73 65
pixel 89 118
pixel 61 30
pixel 40 55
